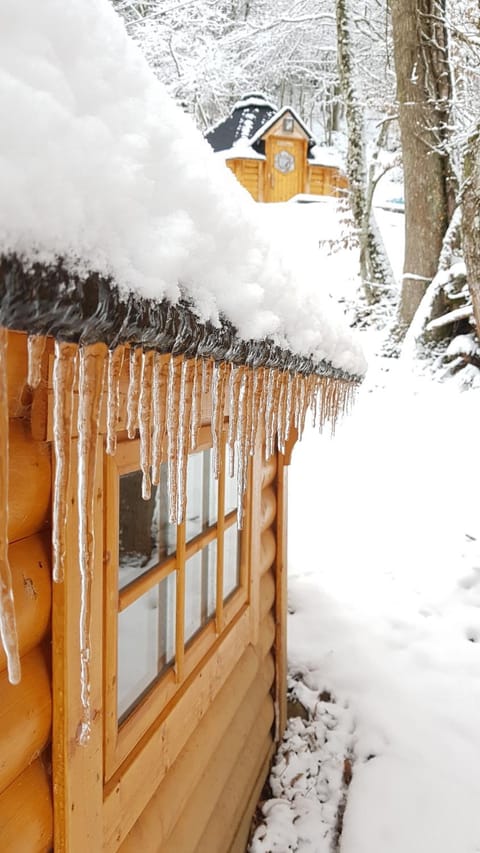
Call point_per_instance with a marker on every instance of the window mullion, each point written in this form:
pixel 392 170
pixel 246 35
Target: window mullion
pixel 180 604
pixel 219 616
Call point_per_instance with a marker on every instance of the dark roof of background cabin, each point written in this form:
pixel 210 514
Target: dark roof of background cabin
pixel 245 120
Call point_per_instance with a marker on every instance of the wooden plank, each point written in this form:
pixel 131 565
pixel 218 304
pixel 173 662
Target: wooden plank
pixel 26 813
pixel 267 635
pixel 30 563
pixel 281 571
pixel 230 771
pixel 269 469
pixel 230 823
pixel 268 550
pixel 129 790
pixel 267 594
pixel 239 844
pixel 30 480
pixel 19 396
pixel 78 769
pixel 255 530
pixel 244 686
pixel 25 717
pixel 268 507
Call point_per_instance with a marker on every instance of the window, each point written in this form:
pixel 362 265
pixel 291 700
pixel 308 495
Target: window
pixel 172 592
pixel 288 124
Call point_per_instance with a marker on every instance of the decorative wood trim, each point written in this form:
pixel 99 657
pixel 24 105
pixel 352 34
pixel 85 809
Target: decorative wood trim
pixel 281 599
pixel 77 770
pixel 130 789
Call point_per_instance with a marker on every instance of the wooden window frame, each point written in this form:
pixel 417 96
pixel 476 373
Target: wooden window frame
pixel 121 740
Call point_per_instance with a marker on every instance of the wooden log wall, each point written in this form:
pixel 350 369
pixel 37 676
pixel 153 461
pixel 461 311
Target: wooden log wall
pixel 250 173
pixel 26 813
pixel 206 801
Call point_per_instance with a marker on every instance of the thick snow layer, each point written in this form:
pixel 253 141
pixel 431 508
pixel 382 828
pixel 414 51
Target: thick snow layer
pixel 384 601
pixel 98 166
pixel 386 608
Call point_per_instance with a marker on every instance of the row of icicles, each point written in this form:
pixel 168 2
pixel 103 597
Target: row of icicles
pixel 164 408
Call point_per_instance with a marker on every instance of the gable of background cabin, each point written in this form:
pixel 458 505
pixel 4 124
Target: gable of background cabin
pixel 191 779
pixel 278 185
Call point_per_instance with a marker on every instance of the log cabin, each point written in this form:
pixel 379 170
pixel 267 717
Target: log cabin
pixel 144 449
pixel 273 154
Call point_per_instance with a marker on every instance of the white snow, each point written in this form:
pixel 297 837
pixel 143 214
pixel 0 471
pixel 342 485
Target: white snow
pixel 323 155
pixel 99 167
pixel 384 593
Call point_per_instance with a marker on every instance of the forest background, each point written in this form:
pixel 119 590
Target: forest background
pixel 395 86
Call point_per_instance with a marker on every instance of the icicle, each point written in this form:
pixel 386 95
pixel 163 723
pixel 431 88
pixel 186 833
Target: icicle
pixel 207 373
pixel 257 406
pixel 145 422
pixel 90 386
pixel 160 383
pixel 305 387
pixel 248 419
pixel 288 407
pixel 240 443
pixel 219 381
pixel 114 370
pixel 315 401
pixel 234 395
pixel 185 411
pixel 196 403
pixel 281 411
pixel 134 391
pixel 173 414
pixel 63 382
pixel 268 413
pixel 271 421
pixel 297 400
pixel 8 627
pixel 35 349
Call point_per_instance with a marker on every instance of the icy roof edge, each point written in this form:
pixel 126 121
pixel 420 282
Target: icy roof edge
pixel 51 301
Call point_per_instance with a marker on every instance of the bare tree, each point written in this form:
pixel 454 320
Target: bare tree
pixel 424 93
pixel 375 269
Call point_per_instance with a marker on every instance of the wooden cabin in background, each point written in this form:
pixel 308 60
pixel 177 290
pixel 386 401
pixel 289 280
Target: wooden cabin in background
pixel 273 153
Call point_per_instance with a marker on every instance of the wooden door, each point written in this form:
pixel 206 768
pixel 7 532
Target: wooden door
pixel 285 175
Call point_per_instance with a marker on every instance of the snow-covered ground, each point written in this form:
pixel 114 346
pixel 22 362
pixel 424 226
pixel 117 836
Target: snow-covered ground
pixel 385 597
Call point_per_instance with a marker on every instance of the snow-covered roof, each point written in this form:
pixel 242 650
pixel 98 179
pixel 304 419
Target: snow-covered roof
pixel 246 117
pixel 321 155
pixel 99 169
pixel 273 120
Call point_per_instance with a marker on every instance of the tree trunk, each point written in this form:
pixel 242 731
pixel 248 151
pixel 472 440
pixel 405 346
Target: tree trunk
pixel 424 101
pixel 471 221
pixel 374 266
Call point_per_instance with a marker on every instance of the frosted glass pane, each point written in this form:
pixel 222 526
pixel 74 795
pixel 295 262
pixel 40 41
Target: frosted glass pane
pixel 200 589
pixel 231 560
pixel 230 493
pixel 202 494
pixel 146 537
pixel 146 642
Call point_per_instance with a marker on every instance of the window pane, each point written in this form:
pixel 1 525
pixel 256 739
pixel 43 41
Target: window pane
pixel 146 537
pixel 146 642
pixel 202 494
pixel 231 485
pixel 231 560
pixel 200 589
